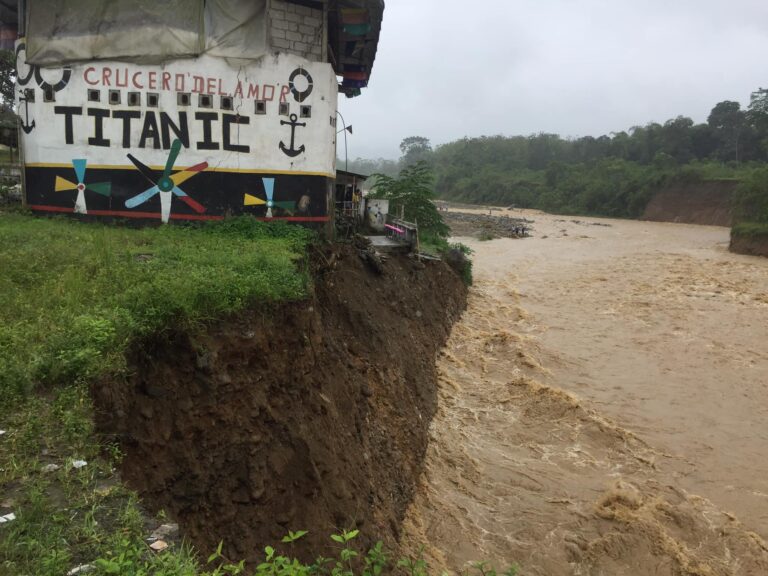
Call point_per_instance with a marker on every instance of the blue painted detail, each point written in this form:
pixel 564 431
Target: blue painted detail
pixel 269 188
pixel 80 169
pixel 141 198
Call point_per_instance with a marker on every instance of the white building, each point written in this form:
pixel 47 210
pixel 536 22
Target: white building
pixel 188 109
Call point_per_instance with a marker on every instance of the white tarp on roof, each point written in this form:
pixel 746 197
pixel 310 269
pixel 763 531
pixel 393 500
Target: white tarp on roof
pixel 147 31
pixel 236 28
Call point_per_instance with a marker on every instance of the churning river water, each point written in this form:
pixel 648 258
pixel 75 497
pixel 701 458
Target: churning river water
pixel 603 406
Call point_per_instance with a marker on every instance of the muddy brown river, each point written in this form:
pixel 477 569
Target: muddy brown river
pixel 603 406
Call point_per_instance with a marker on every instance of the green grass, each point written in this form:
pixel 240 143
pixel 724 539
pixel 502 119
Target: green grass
pixel 73 297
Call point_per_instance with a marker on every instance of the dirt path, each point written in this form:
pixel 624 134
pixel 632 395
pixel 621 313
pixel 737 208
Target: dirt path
pixel 603 406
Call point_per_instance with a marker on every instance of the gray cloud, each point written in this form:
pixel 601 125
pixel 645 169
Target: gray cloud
pixel 447 69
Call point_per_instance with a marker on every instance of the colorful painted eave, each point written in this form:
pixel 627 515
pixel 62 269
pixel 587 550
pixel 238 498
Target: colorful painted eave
pixel 354 28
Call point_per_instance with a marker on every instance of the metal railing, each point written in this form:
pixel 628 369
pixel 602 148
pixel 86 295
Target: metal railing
pixel 401 231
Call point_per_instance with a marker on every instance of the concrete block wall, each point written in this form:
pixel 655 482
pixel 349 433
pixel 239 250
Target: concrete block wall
pixel 297 30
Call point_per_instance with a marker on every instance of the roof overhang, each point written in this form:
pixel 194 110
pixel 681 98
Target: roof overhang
pixel 350 175
pixel 353 39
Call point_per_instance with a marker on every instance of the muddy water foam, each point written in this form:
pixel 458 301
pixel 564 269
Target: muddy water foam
pixel 602 406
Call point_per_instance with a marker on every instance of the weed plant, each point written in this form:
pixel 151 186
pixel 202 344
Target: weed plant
pixel 132 560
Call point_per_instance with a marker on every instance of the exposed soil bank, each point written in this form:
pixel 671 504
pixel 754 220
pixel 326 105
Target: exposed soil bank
pixel 707 202
pixel 312 415
pixel 752 245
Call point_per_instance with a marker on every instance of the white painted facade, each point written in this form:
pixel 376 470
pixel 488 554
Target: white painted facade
pixel 238 117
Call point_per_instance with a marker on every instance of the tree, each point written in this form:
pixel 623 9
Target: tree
pixel 758 103
pixel 750 200
pixel 757 116
pixel 7 76
pixel 676 139
pixel 727 120
pixel 8 121
pixel 412 190
pixel 415 149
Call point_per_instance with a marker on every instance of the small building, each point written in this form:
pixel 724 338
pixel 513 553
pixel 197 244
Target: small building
pixel 349 193
pixel 188 109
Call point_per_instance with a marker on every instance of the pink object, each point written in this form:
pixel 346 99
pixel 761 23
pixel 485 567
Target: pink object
pixel 396 229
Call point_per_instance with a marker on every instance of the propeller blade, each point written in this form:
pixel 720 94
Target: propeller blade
pixel 196 206
pixel 173 154
pixel 141 198
pixel 103 188
pixel 184 175
pixel 285 205
pixel 63 184
pixel 79 166
pixel 144 169
pixel 251 200
pixel 269 186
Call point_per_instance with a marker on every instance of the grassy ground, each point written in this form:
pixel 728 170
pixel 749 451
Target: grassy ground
pixel 73 296
pixel 750 229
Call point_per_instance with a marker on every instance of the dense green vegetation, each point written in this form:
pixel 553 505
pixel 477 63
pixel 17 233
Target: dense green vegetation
pixel 750 229
pixel 73 296
pixel 751 198
pixel 750 206
pixel 412 191
pixel 612 175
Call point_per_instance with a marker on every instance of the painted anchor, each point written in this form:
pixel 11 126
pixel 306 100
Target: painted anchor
pixel 292 151
pixel 25 123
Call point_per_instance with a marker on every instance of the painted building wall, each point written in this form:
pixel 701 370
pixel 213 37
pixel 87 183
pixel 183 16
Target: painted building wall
pixel 185 140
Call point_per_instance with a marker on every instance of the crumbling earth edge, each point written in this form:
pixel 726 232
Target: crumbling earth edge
pixel 310 415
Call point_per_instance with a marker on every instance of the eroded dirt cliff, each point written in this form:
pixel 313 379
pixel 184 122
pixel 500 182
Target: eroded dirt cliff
pixel 311 415
pixel 750 245
pixel 706 202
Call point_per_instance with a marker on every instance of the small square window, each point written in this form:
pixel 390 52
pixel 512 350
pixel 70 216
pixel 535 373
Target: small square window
pixel 94 95
pixel 205 101
pixel 48 94
pixel 305 111
pixel 134 99
pixel 285 109
pixel 226 103
pixel 29 94
pixel 114 96
pixel 261 106
pixel 184 99
pixel 152 99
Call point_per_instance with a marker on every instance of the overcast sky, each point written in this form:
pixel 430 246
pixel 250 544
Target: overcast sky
pixel 446 69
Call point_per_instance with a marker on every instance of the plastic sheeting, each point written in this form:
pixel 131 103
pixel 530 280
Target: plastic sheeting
pixel 146 31
pixel 60 31
pixel 236 28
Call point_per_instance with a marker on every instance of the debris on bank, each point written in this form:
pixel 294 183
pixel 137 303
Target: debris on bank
pixel 487 226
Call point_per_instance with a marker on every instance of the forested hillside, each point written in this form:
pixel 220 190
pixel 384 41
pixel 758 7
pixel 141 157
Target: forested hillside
pixel 611 175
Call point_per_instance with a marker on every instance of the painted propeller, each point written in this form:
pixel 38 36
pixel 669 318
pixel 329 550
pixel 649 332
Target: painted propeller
pixel 168 184
pixel 269 189
pixel 62 185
